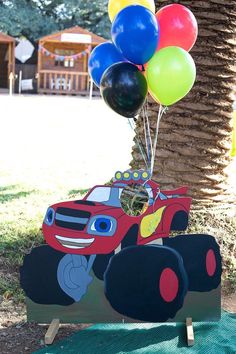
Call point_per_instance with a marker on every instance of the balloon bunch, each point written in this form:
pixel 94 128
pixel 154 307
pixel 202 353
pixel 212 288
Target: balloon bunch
pixel 148 52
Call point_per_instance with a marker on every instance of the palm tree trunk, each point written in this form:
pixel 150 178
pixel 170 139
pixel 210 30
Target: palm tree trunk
pixel 195 135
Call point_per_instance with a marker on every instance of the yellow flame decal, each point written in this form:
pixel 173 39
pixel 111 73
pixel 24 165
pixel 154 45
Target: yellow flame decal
pixel 150 222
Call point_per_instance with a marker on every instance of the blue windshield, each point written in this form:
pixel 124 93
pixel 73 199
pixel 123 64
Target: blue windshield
pixel 106 195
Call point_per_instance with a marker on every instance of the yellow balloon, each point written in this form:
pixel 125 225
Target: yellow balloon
pixel 115 6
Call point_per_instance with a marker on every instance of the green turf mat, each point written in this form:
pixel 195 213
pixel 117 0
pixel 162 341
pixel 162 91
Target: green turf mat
pixel 210 338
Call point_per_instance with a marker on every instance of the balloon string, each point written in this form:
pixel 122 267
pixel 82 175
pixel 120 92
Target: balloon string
pixel 145 135
pixel 144 152
pixel 138 137
pixel 148 133
pixel 138 142
pixel 141 151
pixel 160 114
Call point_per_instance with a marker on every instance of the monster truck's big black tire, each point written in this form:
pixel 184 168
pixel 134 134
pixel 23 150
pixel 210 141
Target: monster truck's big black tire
pixel 100 264
pixel 146 283
pixel 38 277
pixel 102 260
pixel 179 221
pixel 202 260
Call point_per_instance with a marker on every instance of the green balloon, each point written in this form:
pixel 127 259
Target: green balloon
pixel 171 73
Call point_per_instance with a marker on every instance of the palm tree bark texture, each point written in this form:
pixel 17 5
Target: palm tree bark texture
pixel 195 134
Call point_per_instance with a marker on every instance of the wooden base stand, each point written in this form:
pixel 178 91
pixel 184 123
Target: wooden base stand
pixel 54 327
pixel 190 333
pixel 52 331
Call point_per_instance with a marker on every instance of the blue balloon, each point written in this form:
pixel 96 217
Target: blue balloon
pixel 101 58
pixel 135 32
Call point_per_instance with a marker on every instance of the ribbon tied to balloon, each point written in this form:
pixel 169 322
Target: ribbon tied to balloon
pixel 148 53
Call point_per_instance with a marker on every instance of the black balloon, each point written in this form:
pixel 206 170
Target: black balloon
pixel 124 89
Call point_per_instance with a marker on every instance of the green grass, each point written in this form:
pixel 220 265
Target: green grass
pixel 74 192
pixel 10 289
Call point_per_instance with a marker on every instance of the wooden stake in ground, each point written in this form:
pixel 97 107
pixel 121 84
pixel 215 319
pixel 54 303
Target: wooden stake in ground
pixel 52 331
pixel 190 333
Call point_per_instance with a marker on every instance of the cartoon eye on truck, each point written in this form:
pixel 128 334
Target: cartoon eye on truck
pixel 146 273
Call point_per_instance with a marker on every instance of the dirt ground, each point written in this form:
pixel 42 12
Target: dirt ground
pixel 19 337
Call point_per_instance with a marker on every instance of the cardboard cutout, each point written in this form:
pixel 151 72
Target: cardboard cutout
pixel 127 265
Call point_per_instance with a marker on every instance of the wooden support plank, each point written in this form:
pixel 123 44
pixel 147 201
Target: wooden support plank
pixel 69 82
pixel 190 333
pixel 81 82
pixel 45 81
pixel 77 83
pixel 88 83
pixel 11 80
pixel 54 80
pixel 50 80
pixel 73 78
pixel 52 331
pixel 60 85
pixel 87 87
pixel 85 72
pixel 9 66
pixel 13 63
pixel 66 82
pixel 39 81
pixel 39 67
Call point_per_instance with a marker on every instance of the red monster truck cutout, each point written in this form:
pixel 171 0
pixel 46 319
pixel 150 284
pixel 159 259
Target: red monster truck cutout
pixel 98 224
pixel 146 274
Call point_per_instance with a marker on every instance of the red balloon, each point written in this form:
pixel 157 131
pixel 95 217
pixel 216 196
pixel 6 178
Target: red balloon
pixel 178 27
pixel 142 68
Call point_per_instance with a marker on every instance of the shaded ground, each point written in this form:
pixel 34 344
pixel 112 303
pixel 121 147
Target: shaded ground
pixel 19 337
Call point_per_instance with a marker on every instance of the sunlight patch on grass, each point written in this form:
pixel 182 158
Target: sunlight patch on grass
pixel 21 215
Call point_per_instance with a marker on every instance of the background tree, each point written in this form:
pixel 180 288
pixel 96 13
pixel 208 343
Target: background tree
pixel 196 133
pixel 91 15
pixel 25 18
pixel 36 18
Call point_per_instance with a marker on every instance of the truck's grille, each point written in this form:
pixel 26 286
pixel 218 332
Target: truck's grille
pixel 71 218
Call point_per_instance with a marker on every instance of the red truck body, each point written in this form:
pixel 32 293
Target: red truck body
pixel 72 227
